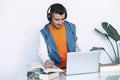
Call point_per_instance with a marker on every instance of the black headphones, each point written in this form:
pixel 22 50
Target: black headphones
pixel 49 16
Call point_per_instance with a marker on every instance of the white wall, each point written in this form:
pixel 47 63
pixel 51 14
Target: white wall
pixel 21 20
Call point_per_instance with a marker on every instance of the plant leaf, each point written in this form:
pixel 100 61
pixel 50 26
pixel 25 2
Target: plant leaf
pixel 101 48
pixel 96 48
pixel 112 32
pixel 98 31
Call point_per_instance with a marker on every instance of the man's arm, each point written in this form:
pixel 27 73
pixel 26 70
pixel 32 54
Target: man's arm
pixel 79 45
pixel 43 53
pixel 42 49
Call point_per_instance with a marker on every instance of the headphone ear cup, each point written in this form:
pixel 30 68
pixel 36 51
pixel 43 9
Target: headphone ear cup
pixel 49 17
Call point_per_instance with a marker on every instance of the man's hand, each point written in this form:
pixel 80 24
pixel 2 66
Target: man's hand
pixel 50 64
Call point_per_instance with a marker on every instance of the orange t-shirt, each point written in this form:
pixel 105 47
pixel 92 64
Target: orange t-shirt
pixel 59 36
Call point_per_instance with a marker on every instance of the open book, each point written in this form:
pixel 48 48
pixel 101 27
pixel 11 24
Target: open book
pixel 37 65
pixel 37 71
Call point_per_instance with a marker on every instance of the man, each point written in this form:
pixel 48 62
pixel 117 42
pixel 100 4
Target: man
pixel 57 38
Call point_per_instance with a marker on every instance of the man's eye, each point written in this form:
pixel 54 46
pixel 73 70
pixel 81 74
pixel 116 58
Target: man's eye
pixel 57 19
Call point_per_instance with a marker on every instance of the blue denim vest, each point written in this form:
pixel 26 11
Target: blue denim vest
pixel 51 46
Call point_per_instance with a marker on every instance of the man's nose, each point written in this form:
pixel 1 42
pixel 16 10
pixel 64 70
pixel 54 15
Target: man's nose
pixel 61 22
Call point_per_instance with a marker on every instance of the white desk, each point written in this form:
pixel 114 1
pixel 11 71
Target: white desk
pixel 106 73
pixel 94 76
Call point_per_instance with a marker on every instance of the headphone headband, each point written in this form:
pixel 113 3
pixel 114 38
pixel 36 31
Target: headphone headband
pixel 49 16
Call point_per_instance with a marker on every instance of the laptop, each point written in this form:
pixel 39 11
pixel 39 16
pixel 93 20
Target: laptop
pixel 83 62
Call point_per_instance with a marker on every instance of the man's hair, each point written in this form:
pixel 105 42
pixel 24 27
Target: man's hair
pixel 56 8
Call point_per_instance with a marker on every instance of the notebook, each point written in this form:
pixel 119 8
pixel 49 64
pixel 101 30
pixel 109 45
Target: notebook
pixel 82 62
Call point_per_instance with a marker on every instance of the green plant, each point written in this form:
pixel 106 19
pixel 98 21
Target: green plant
pixel 112 33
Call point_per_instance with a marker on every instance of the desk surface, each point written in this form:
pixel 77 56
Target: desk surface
pixel 109 72
pixel 106 73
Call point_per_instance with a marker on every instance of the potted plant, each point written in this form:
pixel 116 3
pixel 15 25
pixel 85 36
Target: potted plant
pixel 112 33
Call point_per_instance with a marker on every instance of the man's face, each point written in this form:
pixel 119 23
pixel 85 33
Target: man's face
pixel 57 20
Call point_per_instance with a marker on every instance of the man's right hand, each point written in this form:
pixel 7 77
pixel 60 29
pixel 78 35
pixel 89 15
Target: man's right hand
pixel 50 64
